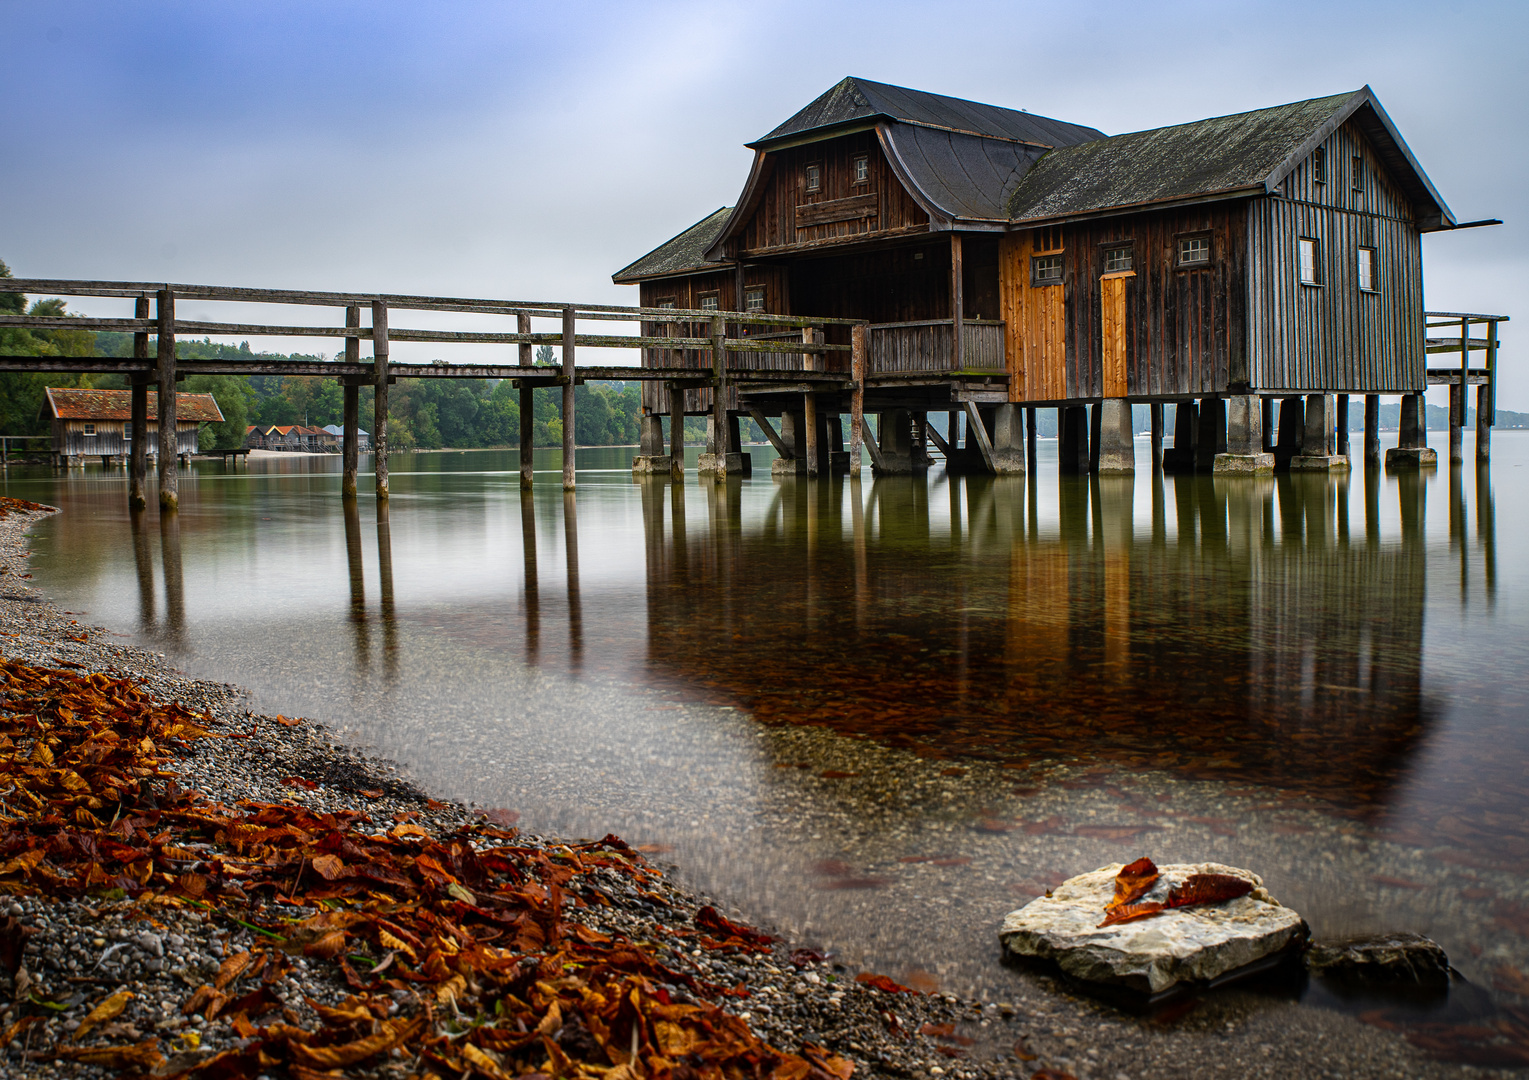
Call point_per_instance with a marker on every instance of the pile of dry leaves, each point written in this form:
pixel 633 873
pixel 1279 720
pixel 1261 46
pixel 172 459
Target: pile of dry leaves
pixel 473 923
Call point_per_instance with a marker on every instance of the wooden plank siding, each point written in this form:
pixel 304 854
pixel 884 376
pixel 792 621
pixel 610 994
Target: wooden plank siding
pixel 1332 336
pixel 1179 332
pixel 787 216
pixel 925 347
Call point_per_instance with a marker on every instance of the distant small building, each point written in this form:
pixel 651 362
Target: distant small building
pixel 99 423
pixel 337 434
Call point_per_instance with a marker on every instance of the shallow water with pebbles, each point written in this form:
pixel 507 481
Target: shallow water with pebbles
pixel 828 704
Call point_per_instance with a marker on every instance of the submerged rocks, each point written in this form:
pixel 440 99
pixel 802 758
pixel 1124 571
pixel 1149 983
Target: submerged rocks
pixel 1386 960
pixel 1151 955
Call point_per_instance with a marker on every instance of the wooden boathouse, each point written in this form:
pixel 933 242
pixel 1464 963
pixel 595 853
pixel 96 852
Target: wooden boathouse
pixel 99 423
pixel 1005 261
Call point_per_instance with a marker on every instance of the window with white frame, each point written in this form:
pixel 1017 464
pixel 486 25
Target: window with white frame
pixel 1046 270
pixel 1319 166
pixel 1367 269
pixel 1308 258
pixel 862 169
pixel 754 298
pixel 1194 250
pixel 814 177
pixel 90 429
pixel 709 302
pixel 1118 257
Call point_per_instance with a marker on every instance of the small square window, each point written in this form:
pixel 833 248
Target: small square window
pixel 709 302
pixel 814 177
pixel 1046 270
pixel 1356 174
pixel 1367 269
pixel 754 298
pixel 1319 166
pixel 90 429
pixel 1194 251
pixel 1118 258
pixel 862 169
pixel 668 303
pixel 1308 253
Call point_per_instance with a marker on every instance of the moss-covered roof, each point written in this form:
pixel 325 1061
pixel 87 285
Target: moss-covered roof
pixel 72 403
pixel 684 254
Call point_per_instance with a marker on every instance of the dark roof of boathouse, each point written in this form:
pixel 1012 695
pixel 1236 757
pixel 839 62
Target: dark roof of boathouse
pixel 72 403
pixel 1247 153
pixel 684 254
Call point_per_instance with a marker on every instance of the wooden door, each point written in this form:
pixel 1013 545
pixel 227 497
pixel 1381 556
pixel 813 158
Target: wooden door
pixel 1114 335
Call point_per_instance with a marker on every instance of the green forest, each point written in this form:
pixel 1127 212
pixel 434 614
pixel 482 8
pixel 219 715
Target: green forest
pixel 422 413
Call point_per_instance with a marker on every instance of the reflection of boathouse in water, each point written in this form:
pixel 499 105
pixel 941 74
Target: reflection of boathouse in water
pixel 1007 261
pixel 1020 635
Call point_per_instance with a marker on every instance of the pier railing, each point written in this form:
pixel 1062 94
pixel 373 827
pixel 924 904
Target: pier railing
pixel 703 348
pixel 1451 333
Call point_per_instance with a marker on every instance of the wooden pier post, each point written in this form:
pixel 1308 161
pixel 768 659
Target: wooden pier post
pixel 1095 433
pixel 810 426
pixel 569 335
pixel 1457 400
pixel 1156 409
pixel 1030 440
pixel 531 589
pixel 717 334
pixel 859 347
pixel 1486 400
pixel 1343 425
pixel 677 429
pixel 1072 438
pixel 169 450
pixel 380 400
pixel 350 440
pixel 1211 438
pixel 1372 429
pixel 527 407
pixel 138 460
pixel 957 305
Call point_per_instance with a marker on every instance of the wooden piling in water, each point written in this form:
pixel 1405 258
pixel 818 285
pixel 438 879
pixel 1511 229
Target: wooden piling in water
pixel 1483 423
pixel 1156 410
pixel 169 477
pixel 859 347
pixel 138 460
pixel 380 401
pixel 527 408
pixel 1030 440
pixel 350 440
pixel 569 323
pixel 1343 425
pixel 676 430
pixel 1372 429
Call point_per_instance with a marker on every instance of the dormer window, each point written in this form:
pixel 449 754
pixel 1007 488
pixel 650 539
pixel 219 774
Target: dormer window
pixel 862 169
pixel 814 177
pixel 1319 166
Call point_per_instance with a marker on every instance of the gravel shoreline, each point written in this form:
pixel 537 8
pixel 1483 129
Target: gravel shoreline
pixel 795 997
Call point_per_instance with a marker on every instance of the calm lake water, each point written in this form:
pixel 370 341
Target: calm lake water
pixel 880 714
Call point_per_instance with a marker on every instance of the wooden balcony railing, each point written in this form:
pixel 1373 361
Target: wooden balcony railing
pixel 913 348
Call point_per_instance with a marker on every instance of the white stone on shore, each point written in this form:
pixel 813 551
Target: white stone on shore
pixel 1194 944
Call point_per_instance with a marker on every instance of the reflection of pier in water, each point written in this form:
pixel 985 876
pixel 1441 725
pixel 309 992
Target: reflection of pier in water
pixel 1248 629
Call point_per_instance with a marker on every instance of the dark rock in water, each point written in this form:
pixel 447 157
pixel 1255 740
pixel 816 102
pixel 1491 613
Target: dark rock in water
pixel 1384 960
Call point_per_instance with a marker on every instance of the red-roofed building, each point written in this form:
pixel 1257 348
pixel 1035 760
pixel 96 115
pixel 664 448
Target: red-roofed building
pixel 98 423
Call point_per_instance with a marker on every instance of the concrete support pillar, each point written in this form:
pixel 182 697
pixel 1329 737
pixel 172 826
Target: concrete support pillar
pixel 1292 428
pixel 1484 423
pixel 791 425
pixel 1456 423
pixel 1186 423
pixel 1116 452
pixel 1008 439
pixel 1156 409
pixel 1072 439
pixel 651 457
pixel 1319 439
pixel 895 429
pixel 1372 429
pixel 1211 438
pixel 1245 454
pixel 1412 451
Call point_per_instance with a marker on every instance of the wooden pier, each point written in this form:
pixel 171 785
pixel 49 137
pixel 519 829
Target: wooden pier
pixel 730 349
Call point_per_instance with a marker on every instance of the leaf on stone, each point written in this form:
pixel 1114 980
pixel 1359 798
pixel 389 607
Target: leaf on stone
pixel 332 944
pixel 1131 912
pixel 338 1057
pixel 1133 882
pixel 882 983
pixel 231 968
pixel 9 1035
pixel 328 867
pixel 712 921
pixel 109 1009
pixel 1208 889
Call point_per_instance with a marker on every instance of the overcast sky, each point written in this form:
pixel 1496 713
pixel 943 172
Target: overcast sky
pixel 528 151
